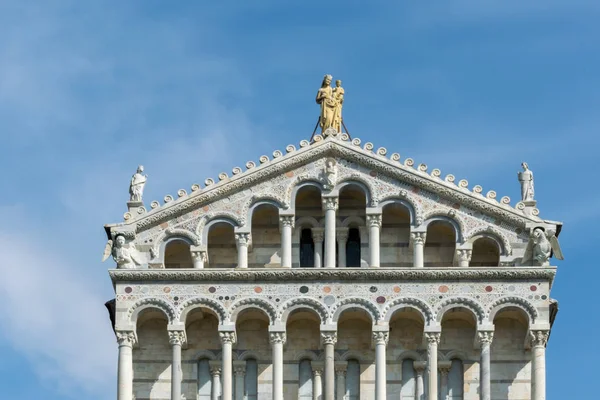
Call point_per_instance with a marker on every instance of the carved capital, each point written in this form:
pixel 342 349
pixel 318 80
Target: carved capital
pixel 330 203
pixel 419 367
pixel 201 255
pixel 177 337
pixel 381 338
pixel 287 220
pixel 242 239
pixel 374 220
pixel 126 338
pixel 342 234
pixel 215 368
pixel 433 337
pixel 277 337
pixel 418 237
pixel 318 234
pixel 227 337
pixel 464 255
pixel 341 367
pixel 485 337
pixel 318 367
pixel 329 337
pixel 239 368
pixel 539 338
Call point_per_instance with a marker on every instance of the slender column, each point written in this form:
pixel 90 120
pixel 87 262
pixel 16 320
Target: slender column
pixel 277 342
pixel 342 239
pixel 433 339
pixel 242 240
pixel 199 256
pixel 239 369
pixel 485 340
pixel 318 235
pixel 286 224
pixel 539 339
pixel 317 368
pixel 330 205
pixel 176 339
pixel 329 338
pixel 418 239
pixel 227 340
pixel 374 222
pixel 419 367
pixel 444 367
pixel 215 372
pixel 464 257
pixel 340 379
pixel 380 338
pixel 126 340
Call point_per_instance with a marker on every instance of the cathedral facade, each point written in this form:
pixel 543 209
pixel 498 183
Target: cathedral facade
pixel 333 270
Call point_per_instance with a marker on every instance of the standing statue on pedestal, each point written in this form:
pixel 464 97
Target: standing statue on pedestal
pixel 328 104
pixel 526 180
pixel 338 95
pixel 136 187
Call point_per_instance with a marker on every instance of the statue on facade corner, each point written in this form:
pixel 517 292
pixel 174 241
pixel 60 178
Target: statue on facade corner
pixel 540 248
pixel 136 186
pixel 124 255
pixel 526 180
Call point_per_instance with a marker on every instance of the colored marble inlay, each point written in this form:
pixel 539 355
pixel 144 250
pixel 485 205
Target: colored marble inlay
pixel 258 289
pixel 212 289
pixel 533 288
pixel 488 289
pixel 327 289
pixel 167 289
pixel 396 289
pixel 373 289
pixel 443 289
pixel 380 300
pixel 304 289
pixel 128 289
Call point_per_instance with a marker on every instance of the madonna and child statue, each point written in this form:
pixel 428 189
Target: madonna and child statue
pixel 331 100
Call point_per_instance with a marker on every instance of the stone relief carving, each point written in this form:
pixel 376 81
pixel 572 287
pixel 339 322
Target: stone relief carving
pixel 125 254
pixel 540 247
pixel 330 174
pixel 136 186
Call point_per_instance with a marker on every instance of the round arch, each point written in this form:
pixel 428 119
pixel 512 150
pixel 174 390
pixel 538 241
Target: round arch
pixel 151 303
pixel 456 224
pixel 408 302
pixel 358 182
pixel 203 302
pixel 214 221
pixel 302 303
pixel 405 203
pixel 410 355
pixel 353 355
pixel 258 304
pixel 466 303
pixel 354 302
pixel 299 184
pixel 493 234
pixel 201 354
pixel 456 354
pixel 306 355
pixel 518 302
pixel 254 203
pixel 249 355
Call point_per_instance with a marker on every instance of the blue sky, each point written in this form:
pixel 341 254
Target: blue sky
pixel 89 90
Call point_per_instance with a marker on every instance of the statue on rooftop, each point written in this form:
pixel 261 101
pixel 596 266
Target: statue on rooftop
pixel 526 180
pixel 328 104
pixel 338 95
pixel 124 255
pixel 136 187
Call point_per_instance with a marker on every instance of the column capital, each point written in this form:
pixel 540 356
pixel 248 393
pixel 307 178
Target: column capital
pixel 277 337
pixel 464 255
pixel 242 238
pixel 539 338
pixel 177 338
pixel 329 337
pixel 215 367
pixel 381 337
pixel 318 367
pixel 418 237
pixel 330 203
pixel 287 220
pixel 342 233
pixel 341 367
pixel 227 337
pixel 444 367
pixel 419 367
pixel 374 220
pixel 239 367
pixel 433 337
pixel 318 234
pixel 485 337
pixel 126 338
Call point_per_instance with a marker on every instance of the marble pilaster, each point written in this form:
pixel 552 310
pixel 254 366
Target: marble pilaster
pixel 330 205
pixel 126 340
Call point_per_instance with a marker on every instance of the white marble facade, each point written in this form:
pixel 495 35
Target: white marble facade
pixel 332 272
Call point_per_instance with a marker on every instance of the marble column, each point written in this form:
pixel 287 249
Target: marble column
pixel 317 368
pixel 228 338
pixel 329 338
pixel 199 256
pixel 330 205
pixel 126 340
pixel 176 339
pixel 342 239
pixel 286 224
pixel 418 240
pixel 444 368
pixel 215 372
pixel 277 341
pixel 340 379
pixel 419 367
pixel 464 257
pixel 239 369
pixel 433 339
pixel 242 240
pixel 539 339
pixel 380 339
pixel 317 235
pixel 485 340
pixel 374 223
